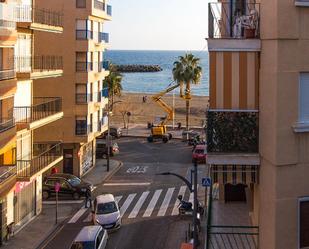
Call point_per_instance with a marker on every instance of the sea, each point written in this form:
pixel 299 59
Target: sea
pixel 155 82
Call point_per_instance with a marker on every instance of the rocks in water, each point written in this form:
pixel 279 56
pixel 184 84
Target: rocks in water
pixel 137 68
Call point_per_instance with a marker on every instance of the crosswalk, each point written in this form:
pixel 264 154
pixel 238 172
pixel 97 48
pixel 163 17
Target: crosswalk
pixel 150 203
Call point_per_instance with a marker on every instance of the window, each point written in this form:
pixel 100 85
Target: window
pixel 80 3
pixel 304 223
pixel 99 239
pixel 81 126
pixel 304 98
pixel 81 93
pixel 302 3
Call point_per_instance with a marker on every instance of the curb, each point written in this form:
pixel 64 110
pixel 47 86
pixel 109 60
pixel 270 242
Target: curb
pixel 114 171
pixel 140 136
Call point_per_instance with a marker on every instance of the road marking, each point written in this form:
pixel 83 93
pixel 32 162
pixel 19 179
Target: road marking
pixel 137 170
pixel 128 184
pixel 118 198
pixel 78 215
pixel 152 203
pixel 166 202
pixel 126 204
pixel 62 202
pixel 88 218
pixel 138 205
pixel 182 192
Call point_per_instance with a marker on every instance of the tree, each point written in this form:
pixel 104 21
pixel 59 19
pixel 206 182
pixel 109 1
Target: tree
pixel 113 83
pixel 187 70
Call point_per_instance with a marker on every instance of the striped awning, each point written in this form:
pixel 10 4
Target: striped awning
pixel 234 174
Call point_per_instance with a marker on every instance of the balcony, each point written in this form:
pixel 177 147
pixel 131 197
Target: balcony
pixel 6 124
pixel 102 10
pixel 99 5
pixel 234 27
pixel 39 66
pixel 7 177
pixel 7 74
pixel 45 156
pixel 232 137
pixel 44 111
pixel 39 19
pixel 105 65
pixel 8 33
pixel 104 37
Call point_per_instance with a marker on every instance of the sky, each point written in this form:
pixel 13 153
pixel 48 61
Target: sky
pixel 158 24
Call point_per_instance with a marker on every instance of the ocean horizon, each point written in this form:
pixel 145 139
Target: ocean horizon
pixel 151 83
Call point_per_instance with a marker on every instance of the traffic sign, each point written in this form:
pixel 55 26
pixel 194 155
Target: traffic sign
pixel 57 187
pixel 206 182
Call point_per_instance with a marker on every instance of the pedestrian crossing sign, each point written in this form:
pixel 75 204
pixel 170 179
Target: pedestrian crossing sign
pixel 206 182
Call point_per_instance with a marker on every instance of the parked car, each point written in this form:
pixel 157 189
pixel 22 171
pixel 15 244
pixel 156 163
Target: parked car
pixel 90 237
pixel 70 186
pixel 101 150
pixel 199 153
pixel 106 212
pixel 113 131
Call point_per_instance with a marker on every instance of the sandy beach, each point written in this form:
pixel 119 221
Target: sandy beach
pixel 141 112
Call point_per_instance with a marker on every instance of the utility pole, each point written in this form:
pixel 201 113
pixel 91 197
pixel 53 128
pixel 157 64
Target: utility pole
pixel 108 134
pixel 195 230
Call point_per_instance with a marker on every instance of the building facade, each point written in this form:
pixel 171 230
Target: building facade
pixel 23 158
pixel 82 46
pixel 258 116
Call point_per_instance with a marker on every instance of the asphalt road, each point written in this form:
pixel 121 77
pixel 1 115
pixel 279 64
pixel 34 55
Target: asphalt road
pixel 148 201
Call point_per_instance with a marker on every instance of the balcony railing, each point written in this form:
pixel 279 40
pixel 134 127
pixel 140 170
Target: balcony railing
pixel 104 37
pixel 46 107
pixel 25 13
pixel 7 172
pixel 84 66
pixel 232 131
pixel 229 20
pixel 99 5
pixel 83 98
pixel 7 74
pixel 41 159
pixel 7 12
pixel 6 124
pixel 105 65
pixel 38 63
pixel 84 34
pixel 109 10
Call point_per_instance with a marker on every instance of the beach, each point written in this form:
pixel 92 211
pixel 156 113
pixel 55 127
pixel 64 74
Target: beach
pixel 149 111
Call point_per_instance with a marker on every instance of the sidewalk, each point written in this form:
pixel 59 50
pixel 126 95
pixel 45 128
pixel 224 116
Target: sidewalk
pixel 43 226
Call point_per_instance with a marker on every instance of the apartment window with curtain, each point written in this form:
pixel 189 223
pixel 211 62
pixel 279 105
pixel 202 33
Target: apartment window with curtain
pixel 81 96
pixel 303 222
pixel 304 98
pixel 81 125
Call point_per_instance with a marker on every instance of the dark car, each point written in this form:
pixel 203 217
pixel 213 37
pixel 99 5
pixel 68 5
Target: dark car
pixel 70 186
pixel 113 131
pixel 101 150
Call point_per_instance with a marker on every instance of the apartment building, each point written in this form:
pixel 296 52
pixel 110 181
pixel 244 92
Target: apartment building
pixel 24 159
pixel 258 120
pixel 82 46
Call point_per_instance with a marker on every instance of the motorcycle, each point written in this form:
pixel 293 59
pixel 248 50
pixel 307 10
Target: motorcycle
pixel 186 208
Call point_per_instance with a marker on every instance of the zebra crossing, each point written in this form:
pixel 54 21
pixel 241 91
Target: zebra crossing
pixel 158 202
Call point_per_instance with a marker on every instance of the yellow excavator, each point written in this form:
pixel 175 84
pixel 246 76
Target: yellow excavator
pixel 159 131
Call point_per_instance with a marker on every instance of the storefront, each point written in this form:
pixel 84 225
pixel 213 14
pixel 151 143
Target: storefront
pixel 86 157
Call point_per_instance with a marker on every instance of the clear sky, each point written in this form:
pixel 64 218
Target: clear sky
pixel 158 24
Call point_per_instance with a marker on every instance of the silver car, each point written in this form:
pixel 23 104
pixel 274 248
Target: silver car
pixel 106 212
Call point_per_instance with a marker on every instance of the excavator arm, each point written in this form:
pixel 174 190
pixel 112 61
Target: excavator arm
pixel 158 99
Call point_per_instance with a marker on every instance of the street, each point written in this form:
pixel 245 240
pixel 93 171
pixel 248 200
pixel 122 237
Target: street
pixel 148 201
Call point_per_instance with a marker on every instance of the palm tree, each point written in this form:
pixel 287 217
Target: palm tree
pixel 113 83
pixel 186 71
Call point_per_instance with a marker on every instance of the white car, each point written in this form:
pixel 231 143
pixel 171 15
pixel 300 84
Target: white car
pixel 106 212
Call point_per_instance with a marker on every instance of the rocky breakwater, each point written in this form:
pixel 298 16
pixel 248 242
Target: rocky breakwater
pixel 137 68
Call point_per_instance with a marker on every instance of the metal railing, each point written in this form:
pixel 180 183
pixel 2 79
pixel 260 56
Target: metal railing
pixel 81 129
pixel 84 66
pixel 39 63
pixel 84 34
pixel 83 98
pixel 25 13
pixel 99 5
pixel 104 37
pixel 7 172
pixel 109 10
pixel 7 13
pixel 232 131
pixel 7 24
pixel 233 237
pixel 27 168
pixel 104 92
pixel 6 124
pixel 233 20
pixel 7 74
pixel 105 65
pixel 45 108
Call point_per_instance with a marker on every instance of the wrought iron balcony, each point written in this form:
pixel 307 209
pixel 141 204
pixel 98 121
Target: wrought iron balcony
pixel 44 108
pixel 6 124
pixel 6 172
pixel 28 14
pixel 38 63
pixel 228 20
pixel 6 74
pixel 232 131
pixel 104 37
pixel 44 156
